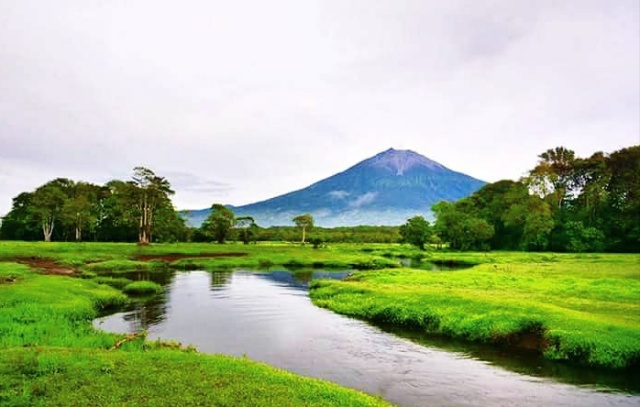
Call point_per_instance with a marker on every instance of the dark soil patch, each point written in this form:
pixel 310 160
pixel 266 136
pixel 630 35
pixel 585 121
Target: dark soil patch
pixel 7 280
pixel 532 337
pixel 47 266
pixel 171 257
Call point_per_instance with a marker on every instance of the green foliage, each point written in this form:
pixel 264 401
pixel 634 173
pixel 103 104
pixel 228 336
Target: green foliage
pixel 533 217
pixel 565 204
pixel 351 234
pixel 248 228
pixel 218 224
pixel 623 203
pixel 316 242
pixel 62 209
pixel 551 178
pixel 150 193
pixel 416 231
pixel 79 211
pixel 46 206
pixel 575 237
pixel 304 222
pixel 457 225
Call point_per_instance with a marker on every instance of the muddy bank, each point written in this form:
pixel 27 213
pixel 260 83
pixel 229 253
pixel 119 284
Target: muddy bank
pixel 48 266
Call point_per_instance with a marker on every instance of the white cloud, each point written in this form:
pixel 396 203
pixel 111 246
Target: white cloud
pixel 338 194
pixel 363 200
pixel 254 99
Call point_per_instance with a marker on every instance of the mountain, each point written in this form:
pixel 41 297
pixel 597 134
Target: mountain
pixel 385 189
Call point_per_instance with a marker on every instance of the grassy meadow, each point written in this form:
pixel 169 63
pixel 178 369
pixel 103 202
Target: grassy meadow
pixel 580 308
pixel 51 355
pixel 110 257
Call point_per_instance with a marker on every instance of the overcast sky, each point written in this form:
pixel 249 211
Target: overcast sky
pixel 239 101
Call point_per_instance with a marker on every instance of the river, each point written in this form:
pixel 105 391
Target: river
pixel 269 317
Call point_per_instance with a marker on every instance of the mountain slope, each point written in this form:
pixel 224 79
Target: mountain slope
pixel 383 190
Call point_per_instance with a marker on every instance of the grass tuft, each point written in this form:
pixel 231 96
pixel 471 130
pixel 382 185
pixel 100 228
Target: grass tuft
pixel 142 287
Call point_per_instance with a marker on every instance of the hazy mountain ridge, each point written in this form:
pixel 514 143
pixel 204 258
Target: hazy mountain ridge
pixel 385 189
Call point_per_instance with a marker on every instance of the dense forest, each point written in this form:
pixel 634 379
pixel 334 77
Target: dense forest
pixel 565 203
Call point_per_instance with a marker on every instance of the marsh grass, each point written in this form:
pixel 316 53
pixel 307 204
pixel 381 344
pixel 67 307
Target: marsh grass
pixel 124 266
pixel 142 287
pixel 116 282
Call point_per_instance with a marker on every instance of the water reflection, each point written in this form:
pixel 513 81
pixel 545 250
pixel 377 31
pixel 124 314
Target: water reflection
pixel 220 279
pixel 164 278
pixel 301 278
pixel 147 310
pixel 431 266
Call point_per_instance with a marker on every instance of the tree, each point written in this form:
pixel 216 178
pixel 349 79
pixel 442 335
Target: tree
pixel 624 199
pixel 78 211
pixel 492 202
pixel 219 223
pixel 551 178
pixel 533 215
pixel 152 192
pixel 18 224
pixel 118 212
pixel 457 224
pixel 46 206
pixel 304 222
pixel 590 180
pixel 575 237
pixel 169 225
pixel 246 224
pixel 416 231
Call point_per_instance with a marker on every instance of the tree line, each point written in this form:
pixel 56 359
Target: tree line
pixel 221 225
pixel 137 210
pixel 140 210
pixel 564 204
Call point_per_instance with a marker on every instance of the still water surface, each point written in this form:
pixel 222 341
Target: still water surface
pixel 269 317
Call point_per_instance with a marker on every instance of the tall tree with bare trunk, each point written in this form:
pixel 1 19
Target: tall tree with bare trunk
pixel 151 192
pixel 304 222
pixel 46 207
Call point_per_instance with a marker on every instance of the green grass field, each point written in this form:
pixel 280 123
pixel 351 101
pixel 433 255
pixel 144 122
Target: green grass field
pixel 580 308
pixel 50 355
pixel 110 257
